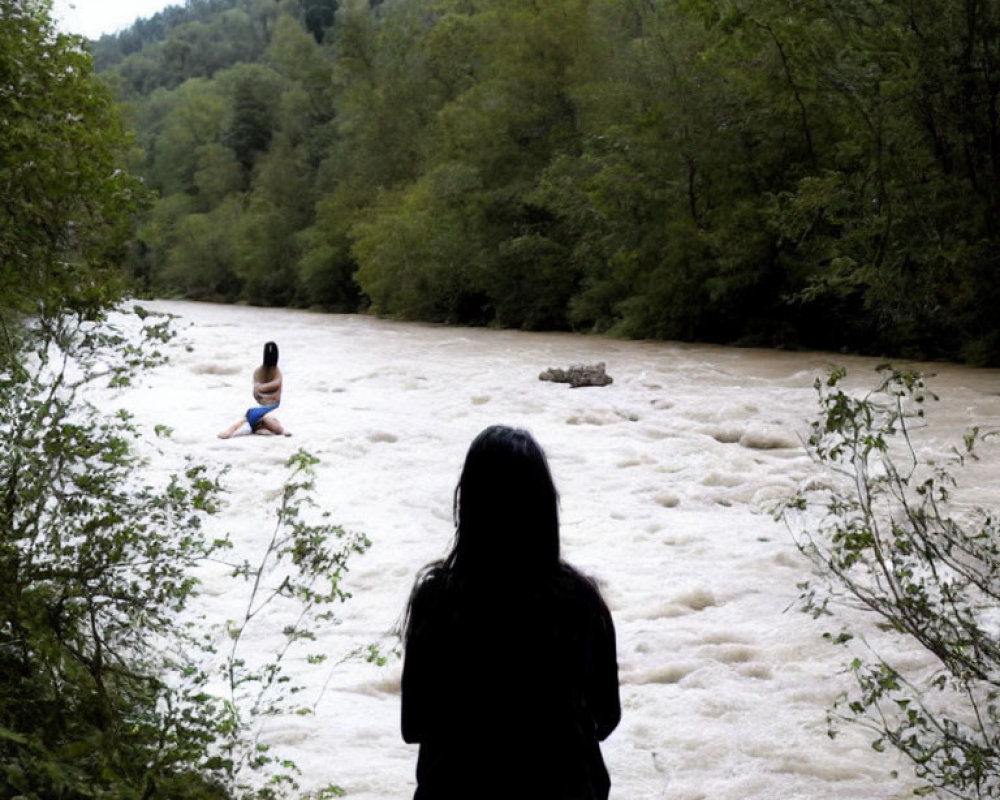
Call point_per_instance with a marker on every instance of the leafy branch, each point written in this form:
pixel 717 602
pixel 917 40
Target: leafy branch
pixel 301 570
pixel 887 536
pixel 109 683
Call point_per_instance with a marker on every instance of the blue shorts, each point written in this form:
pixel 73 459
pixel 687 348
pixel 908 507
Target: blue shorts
pixel 257 413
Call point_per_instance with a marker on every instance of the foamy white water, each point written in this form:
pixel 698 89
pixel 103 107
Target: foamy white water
pixel 666 478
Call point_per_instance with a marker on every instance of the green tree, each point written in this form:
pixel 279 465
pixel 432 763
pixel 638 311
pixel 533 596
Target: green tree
pixel 894 230
pixel 326 266
pixel 418 253
pixel 493 117
pixel 380 104
pixel 318 16
pixel 103 676
pixel 218 174
pixel 157 234
pixel 279 205
pixel 67 209
pixel 253 91
pixel 201 258
pixel 193 116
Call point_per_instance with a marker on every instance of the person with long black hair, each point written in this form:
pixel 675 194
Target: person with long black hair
pixel 510 675
pixel 267 380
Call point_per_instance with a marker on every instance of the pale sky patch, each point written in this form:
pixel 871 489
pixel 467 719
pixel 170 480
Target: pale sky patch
pixel 92 18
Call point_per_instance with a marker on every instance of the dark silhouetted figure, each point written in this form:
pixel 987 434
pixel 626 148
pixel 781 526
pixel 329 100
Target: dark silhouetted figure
pixel 510 676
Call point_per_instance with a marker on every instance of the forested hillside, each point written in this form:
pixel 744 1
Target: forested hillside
pixel 819 173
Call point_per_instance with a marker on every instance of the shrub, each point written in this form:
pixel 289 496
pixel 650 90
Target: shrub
pixel 887 536
pixel 109 685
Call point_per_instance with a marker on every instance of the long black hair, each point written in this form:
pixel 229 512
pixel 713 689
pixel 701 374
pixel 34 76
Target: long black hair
pixel 505 556
pixel 270 354
pixel 505 509
pixel 506 529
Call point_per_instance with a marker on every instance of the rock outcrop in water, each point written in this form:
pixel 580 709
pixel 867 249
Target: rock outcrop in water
pixel 578 375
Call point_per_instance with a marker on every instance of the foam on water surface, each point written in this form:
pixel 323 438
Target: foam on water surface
pixel 666 479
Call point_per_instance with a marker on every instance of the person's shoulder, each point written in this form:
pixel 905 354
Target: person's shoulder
pixel 579 586
pixel 571 576
pixel 427 598
pixel 431 583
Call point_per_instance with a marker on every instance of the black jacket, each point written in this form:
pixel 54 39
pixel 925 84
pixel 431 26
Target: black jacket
pixel 508 689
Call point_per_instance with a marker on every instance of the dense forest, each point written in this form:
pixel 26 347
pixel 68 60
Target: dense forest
pixel 816 173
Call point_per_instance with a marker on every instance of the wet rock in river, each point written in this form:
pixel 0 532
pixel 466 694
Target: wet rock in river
pixel 578 375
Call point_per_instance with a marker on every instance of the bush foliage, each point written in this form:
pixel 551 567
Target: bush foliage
pixel 887 537
pixel 112 686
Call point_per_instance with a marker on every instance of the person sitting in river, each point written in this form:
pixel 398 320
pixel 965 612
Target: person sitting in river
pixel 510 676
pixel 267 393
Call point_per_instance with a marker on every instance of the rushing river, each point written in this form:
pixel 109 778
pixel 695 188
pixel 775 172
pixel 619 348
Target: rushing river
pixel 666 479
